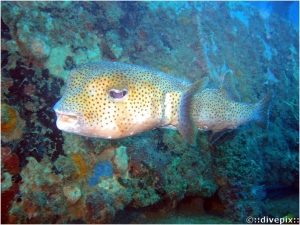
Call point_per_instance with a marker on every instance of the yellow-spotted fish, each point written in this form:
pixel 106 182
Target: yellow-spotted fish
pixel 115 100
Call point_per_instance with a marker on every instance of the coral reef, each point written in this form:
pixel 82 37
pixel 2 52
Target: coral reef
pixel 49 176
pixel 101 170
pixel 72 194
pixel 11 123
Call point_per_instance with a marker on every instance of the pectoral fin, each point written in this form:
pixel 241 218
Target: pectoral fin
pixel 186 125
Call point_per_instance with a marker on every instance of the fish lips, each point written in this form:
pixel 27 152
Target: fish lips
pixel 66 118
pixel 65 121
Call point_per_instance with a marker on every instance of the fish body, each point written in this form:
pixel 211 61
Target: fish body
pixel 215 110
pixel 115 100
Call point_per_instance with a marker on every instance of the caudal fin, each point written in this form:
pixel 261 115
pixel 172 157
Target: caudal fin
pixel 261 116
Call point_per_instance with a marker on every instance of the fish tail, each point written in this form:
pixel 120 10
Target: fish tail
pixel 261 115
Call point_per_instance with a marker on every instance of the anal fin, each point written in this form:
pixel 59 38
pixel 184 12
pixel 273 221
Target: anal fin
pixel 186 126
pixel 216 135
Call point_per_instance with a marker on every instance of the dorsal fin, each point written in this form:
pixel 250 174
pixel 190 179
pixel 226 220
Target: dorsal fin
pixel 186 125
pixel 229 87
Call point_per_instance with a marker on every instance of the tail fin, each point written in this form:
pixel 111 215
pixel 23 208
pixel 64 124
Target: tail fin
pixel 261 115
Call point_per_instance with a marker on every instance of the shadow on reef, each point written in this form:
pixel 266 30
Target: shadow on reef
pixel 32 93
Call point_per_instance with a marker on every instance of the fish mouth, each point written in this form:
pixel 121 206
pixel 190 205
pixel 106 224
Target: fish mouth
pixel 66 118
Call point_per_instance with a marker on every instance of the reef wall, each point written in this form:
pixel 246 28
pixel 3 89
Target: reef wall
pixel 49 176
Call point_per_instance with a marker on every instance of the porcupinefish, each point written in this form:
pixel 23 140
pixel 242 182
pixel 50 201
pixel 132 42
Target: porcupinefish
pixel 115 100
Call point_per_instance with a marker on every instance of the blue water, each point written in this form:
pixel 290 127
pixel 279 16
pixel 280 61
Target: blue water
pixel 288 10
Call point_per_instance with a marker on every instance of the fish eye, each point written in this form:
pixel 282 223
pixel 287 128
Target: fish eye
pixel 117 94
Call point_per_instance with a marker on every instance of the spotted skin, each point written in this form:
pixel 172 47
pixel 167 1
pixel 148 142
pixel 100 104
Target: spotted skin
pixel 213 111
pixel 115 100
pixel 99 115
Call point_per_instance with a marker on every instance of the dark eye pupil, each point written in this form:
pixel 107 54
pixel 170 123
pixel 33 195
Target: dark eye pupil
pixel 118 94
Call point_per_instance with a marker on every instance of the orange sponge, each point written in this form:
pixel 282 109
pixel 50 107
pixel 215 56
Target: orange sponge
pixel 11 123
pixel 82 169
